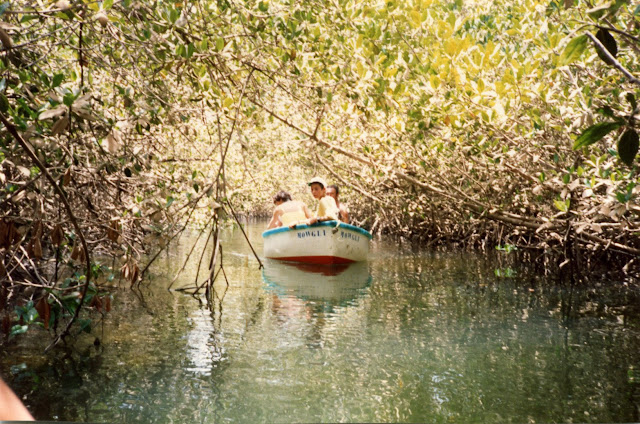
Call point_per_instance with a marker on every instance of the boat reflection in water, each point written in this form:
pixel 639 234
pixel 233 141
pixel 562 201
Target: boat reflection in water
pixel 309 301
pixel 332 284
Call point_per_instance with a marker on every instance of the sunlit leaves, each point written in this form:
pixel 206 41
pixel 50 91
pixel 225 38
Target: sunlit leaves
pixel 573 50
pixel 219 44
pixel 562 204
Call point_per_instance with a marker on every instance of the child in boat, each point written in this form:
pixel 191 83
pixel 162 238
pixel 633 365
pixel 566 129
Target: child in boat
pixel 287 211
pixel 334 191
pixel 327 208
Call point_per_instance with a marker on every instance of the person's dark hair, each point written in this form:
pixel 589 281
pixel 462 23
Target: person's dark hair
pixel 335 187
pixel 281 195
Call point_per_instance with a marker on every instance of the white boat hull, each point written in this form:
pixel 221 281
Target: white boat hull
pixel 318 243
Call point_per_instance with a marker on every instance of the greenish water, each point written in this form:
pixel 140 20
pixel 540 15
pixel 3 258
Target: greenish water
pixel 412 336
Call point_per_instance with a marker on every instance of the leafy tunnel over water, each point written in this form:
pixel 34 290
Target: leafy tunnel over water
pixel 411 336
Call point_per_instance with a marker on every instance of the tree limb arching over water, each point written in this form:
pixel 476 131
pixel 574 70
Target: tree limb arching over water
pixel 475 124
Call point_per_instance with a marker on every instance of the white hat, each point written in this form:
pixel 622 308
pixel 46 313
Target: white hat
pixel 318 180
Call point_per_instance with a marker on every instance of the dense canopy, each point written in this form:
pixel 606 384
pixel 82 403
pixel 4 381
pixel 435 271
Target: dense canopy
pixel 508 124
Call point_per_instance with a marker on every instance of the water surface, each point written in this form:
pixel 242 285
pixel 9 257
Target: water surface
pixel 411 336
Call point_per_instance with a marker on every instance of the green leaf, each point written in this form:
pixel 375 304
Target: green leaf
pixel 4 6
pixel 27 18
pixel 18 329
pixel 31 315
pixel 595 133
pixel 85 325
pixel 505 272
pixel 4 103
pixel 606 111
pixel 628 146
pixel 562 205
pixel 632 100
pixel 190 49
pixel 573 50
pixel 68 99
pixel 219 44
pixel 508 248
pixel 57 80
pixel 106 4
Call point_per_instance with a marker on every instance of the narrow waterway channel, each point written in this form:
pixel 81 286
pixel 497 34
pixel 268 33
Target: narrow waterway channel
pixel 411 336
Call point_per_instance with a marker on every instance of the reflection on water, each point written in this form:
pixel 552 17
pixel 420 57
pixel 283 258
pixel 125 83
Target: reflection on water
pixel 331 284
pixel 314 294
pixel 410 336
pixel 204 347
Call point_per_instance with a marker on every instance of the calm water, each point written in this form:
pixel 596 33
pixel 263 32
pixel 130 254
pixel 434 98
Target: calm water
pixel 412 336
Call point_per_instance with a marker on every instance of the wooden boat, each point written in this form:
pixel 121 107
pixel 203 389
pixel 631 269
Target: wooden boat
pixel 323 243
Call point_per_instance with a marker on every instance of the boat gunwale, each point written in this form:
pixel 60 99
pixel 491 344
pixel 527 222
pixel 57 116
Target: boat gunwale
pixel 316 225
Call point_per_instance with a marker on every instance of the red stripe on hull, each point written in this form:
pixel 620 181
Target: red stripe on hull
pixel 322 260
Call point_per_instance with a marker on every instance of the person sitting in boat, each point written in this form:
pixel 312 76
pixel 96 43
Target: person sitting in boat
pixel 327 208
pixel 287 211
pixel 334 191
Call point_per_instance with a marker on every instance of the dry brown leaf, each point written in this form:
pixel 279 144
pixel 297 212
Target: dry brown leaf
pixel 102 18
pixel 112 144
pixel 52 113
pixel 36 248
pixel 96 302
pixel 57 235
pixel 6 40
pixel 4 234
pixel 66 179
pixel 77 254
pixel 135 275
pixel 8 234
pixel 113 232
pixel 124 271
pixel 38 229
pixel 6 324
pixel 44 311
pixel 24 171
pixel 60 125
